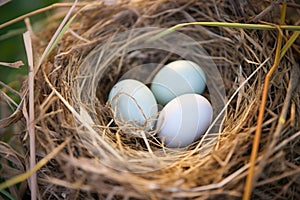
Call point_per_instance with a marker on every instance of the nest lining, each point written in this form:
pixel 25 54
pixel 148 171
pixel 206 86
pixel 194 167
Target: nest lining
pixel 78 172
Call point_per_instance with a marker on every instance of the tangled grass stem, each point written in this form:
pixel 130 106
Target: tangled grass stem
pixel 251 179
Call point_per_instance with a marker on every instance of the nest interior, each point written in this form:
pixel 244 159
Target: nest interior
pixel 86 167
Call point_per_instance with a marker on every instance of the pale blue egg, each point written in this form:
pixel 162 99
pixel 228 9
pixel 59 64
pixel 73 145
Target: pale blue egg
pixel 178 78
pixel 133 103
pixel 184 119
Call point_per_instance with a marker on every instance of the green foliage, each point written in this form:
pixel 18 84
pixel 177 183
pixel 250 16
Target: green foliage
pixel 11 39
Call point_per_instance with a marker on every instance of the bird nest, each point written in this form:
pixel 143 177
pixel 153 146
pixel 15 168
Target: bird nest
pixel 104 159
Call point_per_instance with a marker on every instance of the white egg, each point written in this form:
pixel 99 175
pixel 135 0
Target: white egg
pixel 133 103
pixel 184 119
pixel 177 78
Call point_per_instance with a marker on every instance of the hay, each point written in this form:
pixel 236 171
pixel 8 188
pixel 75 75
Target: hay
pixel 102 161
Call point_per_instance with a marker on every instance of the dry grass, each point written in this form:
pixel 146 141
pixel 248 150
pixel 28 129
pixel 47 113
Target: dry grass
pixel 83 168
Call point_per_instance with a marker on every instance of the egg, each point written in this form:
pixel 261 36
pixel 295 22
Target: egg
pixel 183 120
pixel 133 103
pixel 177 78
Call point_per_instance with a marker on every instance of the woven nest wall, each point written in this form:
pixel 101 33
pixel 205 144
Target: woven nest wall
pixel 102 161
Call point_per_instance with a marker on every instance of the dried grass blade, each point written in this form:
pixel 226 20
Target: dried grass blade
pixel 36 12
pixel 250 180
pixel 9 100
pixel 281 176
pixel 15 65
pixel 294 82
pixel 83 121
pixel 61 30
pixel 274 146
pixel 3 2
pixel 30 122
pixel 10 89
pixel 39 165
pixel 228 103
pixel 12 33
pixel 11 119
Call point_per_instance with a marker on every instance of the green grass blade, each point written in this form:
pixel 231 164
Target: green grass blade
pixel 225 24
pixel 289 43
pixel 64 29
pixel 241 25
pixel 7 194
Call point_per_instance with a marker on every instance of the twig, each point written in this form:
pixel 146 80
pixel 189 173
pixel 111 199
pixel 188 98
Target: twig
pixel 30 122
pixel 250 180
